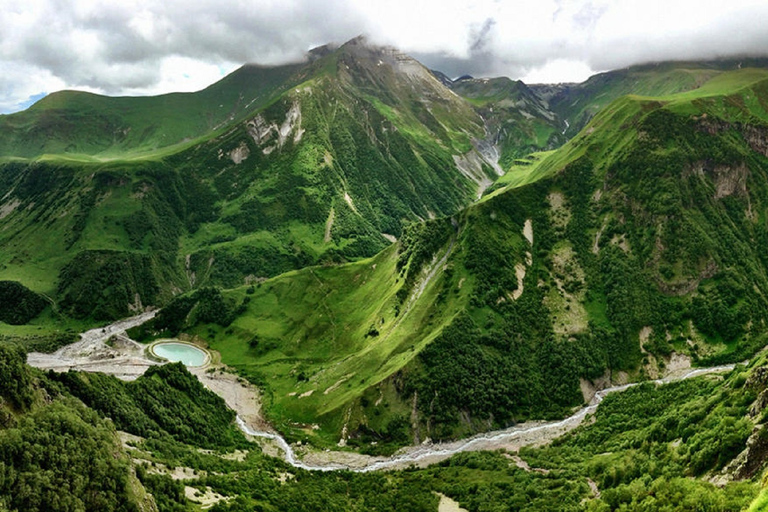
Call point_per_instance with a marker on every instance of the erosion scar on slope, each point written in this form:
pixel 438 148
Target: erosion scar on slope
pixel 421 287
pixel 328 226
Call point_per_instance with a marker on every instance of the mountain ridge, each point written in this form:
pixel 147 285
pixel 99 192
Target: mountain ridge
pixel 355 143
pixel 635 244
pixel 331 247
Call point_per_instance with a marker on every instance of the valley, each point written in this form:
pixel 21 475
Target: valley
pixel 93 350
pixel 480 289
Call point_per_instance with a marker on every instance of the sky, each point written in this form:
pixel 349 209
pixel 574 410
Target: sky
pixel 141 47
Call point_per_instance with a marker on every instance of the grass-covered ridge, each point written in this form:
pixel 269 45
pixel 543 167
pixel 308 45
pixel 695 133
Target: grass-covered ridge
pixel 639 238
pixel 90 126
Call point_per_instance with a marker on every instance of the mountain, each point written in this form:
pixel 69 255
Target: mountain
pixel 319 162
pixel 526 118
pixel 337 243
pixel 578 103
pixel 635 240
pixel 519 119
pixel 85 124
pixel 634 247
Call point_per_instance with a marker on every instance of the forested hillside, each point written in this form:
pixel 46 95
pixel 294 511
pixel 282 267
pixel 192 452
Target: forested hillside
pixel 640 239
pixel 325 167
pixel 651 447
pixel 55 453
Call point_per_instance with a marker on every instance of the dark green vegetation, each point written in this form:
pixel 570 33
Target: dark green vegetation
pixel 167 401
pixel 648 448
pixel 319 163
pixel 19 304
pixel 646 238
pixel 55 453
pixel 39 342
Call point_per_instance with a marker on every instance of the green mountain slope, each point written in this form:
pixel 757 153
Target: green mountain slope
pixel 578 103
pixel 88 125
pixel 523 119
pixel 516 115
pixel 364 139
pixel 640 238
pixel 55 453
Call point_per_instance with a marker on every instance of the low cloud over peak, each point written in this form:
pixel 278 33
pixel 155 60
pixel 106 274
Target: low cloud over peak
pixel 155 46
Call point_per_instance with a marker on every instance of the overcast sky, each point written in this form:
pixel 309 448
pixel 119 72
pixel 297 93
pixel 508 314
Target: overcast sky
pixel 138 47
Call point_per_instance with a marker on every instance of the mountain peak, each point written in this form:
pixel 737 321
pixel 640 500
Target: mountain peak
pixel 319 52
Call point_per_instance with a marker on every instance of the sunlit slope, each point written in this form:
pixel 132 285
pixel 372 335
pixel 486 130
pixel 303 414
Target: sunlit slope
pixel 641 237
pixel 738 96
pixel 578 103
pixel 522 119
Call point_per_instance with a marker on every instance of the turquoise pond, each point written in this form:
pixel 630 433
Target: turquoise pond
pixel 180 352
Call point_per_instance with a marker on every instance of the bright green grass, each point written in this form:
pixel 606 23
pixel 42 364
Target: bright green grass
pixel 46 323
pixel 34 252
pixel 722 84
pixel 523 172
pixel 105 230
pixel 35 262
pixel 761 502
pixel 611 130
pixel 81 126
pixel 316 322
pixel 600 91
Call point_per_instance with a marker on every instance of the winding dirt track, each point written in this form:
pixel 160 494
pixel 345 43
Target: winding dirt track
pixel 124 358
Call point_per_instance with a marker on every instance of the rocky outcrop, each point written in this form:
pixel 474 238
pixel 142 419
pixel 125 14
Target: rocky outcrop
pixel 748 463
pixel 240 153
pixel 728 179
pixel 756 137
pixel 264 133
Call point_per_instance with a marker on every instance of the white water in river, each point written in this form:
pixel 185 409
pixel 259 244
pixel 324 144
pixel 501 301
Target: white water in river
pixel 487 440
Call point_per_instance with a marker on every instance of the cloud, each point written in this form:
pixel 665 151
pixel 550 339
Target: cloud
pixel 153 46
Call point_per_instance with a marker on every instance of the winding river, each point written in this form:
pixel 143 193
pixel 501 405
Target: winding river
pixel 92 354
pixel 536 433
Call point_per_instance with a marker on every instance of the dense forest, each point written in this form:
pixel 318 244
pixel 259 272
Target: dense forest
pixel 19 304
pixel 55 453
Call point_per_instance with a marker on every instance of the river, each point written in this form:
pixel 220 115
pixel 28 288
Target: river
pixel 526 434
pixel 128 362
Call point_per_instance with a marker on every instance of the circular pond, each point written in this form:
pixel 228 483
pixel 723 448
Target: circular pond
pixel 180 352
